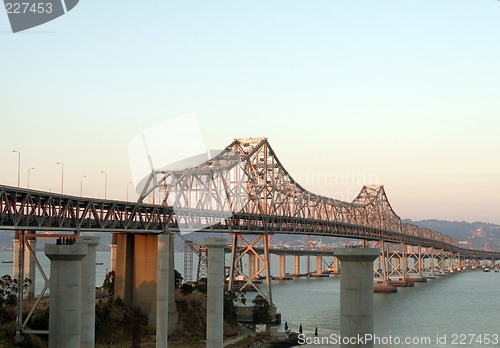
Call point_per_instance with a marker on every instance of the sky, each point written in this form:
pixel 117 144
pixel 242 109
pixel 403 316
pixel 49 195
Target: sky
pixel 399 93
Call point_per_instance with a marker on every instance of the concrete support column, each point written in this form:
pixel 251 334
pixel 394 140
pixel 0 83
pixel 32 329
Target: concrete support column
pixel 282 266
pixel 296 265
pixel 29 266
pixel 144 278
pixel 404 264
pixel 173 315
pixel 431 264
pixel 87 339
pixel 15 255
pixel 252 261
pixel 215 292
pixel 442 262
pixel 162 291
pixel 319 265
pixel 336 268
pixel 124 268
pixel 112 249
pixel 65 294
pixel 356 292
pixel 398 265
pixel 136 271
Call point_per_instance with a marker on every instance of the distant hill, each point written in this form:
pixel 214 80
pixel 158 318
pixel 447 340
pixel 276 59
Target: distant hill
pixel 477 233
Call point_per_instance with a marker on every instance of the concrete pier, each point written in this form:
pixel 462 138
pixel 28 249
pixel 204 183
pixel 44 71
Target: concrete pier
pixel 65 294
pixel 15 255
pixel 319 266
pixel 173 315
pixel 29 266
pixel 87 339
pixel 282 266
pixel 215 292
pixel 135 274
pixel 296 266
pixel 356 292
pixel 336 269
pixel 252 267
pixel 112 249
pixel 162 291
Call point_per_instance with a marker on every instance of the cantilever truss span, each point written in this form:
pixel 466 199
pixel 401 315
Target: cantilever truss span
pixel 253 192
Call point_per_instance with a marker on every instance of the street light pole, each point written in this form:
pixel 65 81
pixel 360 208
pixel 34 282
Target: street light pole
pixel 62 177
pixel 81 185
pixel 105 183
pixel 18 167
pixel 29 170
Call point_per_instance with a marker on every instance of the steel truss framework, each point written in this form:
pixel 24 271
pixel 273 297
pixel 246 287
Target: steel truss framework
pixel 24 244
pixel 244 189
pixel 261 263
pixel 398 261
pixel 248 183
pixel 22 209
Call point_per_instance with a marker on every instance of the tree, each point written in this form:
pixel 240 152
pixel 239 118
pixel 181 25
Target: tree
pixel 8 294
pixel 9 287
pixel 186 289
pixel 230 308
pixel 109 284
pixel 178 278
pixel 260 312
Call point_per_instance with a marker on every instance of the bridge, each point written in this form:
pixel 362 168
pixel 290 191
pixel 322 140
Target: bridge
pixel 244 191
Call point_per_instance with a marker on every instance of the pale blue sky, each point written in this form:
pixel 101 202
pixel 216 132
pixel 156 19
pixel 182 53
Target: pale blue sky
pixel 398 93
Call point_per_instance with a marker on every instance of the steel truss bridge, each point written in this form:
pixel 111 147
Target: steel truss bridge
pixel 244 190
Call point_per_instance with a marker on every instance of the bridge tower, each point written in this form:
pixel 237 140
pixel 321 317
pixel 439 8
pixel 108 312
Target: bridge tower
pixel 188 261
pixel 202 270
pixel 242 245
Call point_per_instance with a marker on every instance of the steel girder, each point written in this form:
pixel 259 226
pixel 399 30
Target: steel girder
pixel 36 210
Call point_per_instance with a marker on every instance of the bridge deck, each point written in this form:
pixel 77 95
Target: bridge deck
pixel 23 209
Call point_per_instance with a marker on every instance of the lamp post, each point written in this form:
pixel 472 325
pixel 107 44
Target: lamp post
pixel 105 183
pixel 62 176
pixel 18 167
pixel 81 185
pixel 29 170
pixel 130 182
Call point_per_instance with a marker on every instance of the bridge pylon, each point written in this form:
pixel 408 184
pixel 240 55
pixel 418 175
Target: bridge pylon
pixel 242 245
pixel 202 269
pixel 380 264
pixel 398 270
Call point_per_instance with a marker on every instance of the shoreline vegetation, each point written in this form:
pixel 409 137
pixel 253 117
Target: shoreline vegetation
pixel 119 325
